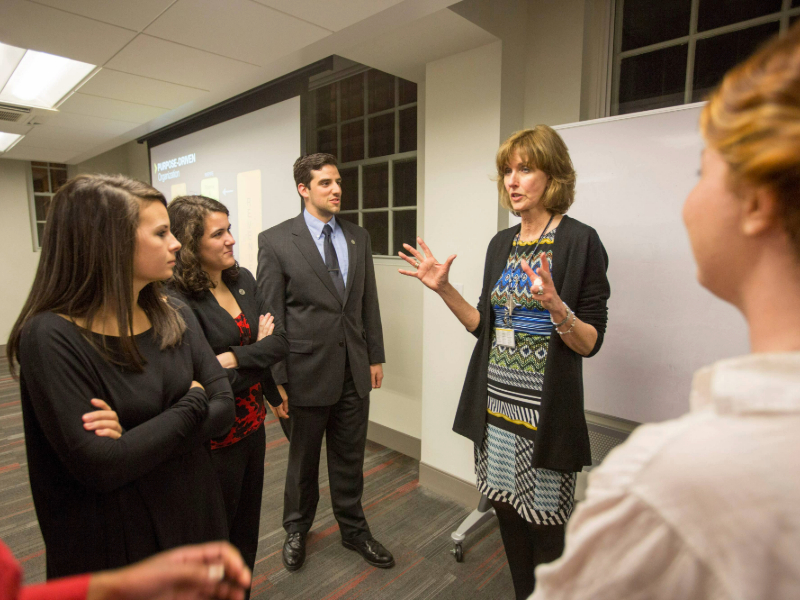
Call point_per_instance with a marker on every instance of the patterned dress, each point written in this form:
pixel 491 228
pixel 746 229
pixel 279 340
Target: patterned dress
pixel 250 409
pixel 503 462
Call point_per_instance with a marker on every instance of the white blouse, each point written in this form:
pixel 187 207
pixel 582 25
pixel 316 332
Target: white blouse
pixel 703 507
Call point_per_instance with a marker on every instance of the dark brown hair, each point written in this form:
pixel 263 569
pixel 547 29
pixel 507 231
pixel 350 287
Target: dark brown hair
pixel 187 216
pixel 311 162
pixel 541 148
pixel 86 266
pixel 753 120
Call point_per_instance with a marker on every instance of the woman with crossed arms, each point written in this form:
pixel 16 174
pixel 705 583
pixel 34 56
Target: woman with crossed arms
pixel 234 320
pixel 542 308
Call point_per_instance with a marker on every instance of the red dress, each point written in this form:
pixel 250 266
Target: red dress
pixel 250 409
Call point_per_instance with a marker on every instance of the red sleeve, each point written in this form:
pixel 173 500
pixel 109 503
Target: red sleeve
pixel 10 574
pixel 68 588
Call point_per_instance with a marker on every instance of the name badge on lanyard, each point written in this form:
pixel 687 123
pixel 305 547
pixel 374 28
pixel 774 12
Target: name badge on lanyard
pixel 505 335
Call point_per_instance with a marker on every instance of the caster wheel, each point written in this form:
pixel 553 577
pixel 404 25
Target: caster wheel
pixel 458 552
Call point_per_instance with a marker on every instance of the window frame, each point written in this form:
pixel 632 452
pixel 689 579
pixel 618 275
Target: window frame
pixel 617 55
pixel 32 194
pixel 388 159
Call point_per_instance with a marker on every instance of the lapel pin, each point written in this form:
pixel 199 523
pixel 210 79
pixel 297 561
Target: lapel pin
pixel 241 291
pixel 352 241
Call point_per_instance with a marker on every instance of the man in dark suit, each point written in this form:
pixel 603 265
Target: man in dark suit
pixel 316 273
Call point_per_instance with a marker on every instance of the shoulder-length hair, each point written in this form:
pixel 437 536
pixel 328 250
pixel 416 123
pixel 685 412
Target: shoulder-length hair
pixel 753 120
pixel 187 215
pixel 541 148
pixel 86 266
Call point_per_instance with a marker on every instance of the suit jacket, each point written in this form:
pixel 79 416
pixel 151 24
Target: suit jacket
pixel 223 335
pixel 323 330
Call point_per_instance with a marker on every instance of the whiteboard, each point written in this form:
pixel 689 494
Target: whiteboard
pixel 634 173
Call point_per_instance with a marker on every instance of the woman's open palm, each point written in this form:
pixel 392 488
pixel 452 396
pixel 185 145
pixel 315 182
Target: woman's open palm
pixel 429 271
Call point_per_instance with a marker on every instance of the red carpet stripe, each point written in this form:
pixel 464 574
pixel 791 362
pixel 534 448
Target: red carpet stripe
pixel 336 594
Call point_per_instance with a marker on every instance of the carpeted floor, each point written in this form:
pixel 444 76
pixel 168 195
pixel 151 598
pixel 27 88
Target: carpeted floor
pixel 412 522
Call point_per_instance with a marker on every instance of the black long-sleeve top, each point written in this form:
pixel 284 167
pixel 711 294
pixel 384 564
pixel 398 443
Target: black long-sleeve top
pixel 104 503
pixel 580 263
pixel 223 335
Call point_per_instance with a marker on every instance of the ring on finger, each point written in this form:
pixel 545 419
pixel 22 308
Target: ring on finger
pixel 416 263
pixel 540 291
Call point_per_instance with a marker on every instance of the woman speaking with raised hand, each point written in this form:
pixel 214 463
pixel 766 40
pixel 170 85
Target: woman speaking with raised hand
pixel 542 308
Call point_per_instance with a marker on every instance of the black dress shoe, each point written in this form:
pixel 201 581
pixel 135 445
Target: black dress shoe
pixel 294 551
pixel 372 551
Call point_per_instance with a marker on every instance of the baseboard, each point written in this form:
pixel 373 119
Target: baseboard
pixel 448 485
pixel 396 440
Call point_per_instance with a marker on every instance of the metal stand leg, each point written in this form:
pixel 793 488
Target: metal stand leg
pixel 475 519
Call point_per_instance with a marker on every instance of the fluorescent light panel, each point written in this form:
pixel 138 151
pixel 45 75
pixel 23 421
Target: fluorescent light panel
pixel 39 80
pixel 7 140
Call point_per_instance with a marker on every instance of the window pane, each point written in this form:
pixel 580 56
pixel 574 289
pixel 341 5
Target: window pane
pixel 42 205
pixel 405 230
pixel 41 181
pixel 351 92
pixel 376 186
pixel 38 164
pixel 352 217
pixel 716 13
pixel 40 233
pixel 715 56
pixel 326 105
pixel 58 177
pixel 408 129
pixel 653 80
pixel 381 90
pixel 408 91
pixel 349 188
pixel 381 135
pixel 378 226
pixel 795 3
pixel 793 20
pixel 405 183
pixel 646 22
pixel 353 141
pixel 326 141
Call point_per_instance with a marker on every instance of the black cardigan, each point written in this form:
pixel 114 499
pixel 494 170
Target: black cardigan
pixel 579 273
pixel 222 333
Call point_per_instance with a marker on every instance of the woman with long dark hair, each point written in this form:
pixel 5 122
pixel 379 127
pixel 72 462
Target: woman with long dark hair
pixel 97 326
pixel 235 321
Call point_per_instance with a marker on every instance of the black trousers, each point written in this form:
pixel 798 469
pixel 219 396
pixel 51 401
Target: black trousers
pixel 240 468
pixel 344 426
pixel 527 545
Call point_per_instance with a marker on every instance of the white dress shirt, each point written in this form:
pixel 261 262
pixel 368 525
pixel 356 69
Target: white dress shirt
pixel 703 507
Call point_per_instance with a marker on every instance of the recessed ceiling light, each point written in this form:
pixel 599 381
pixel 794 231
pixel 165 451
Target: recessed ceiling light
pixel 38 79
pixel 8 140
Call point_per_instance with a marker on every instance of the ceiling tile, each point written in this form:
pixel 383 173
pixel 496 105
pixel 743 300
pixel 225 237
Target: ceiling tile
pixel 239 29
pixel 85 123
pixel 141 90
pixel 331 14
pixel 109 108
pixel 131 15
pixel 20 152
pixel 37 27
pixel 168 61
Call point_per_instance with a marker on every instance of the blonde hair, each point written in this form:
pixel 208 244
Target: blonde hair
pixel 541 148
pixel 753 120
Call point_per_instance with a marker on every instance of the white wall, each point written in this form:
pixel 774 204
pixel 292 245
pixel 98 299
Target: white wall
pixel 555 58
pixel 18 262
pixel 129 159
pixel 462 115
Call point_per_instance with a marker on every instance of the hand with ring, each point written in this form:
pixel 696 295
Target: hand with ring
pixel 432 273
pixel 542 284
